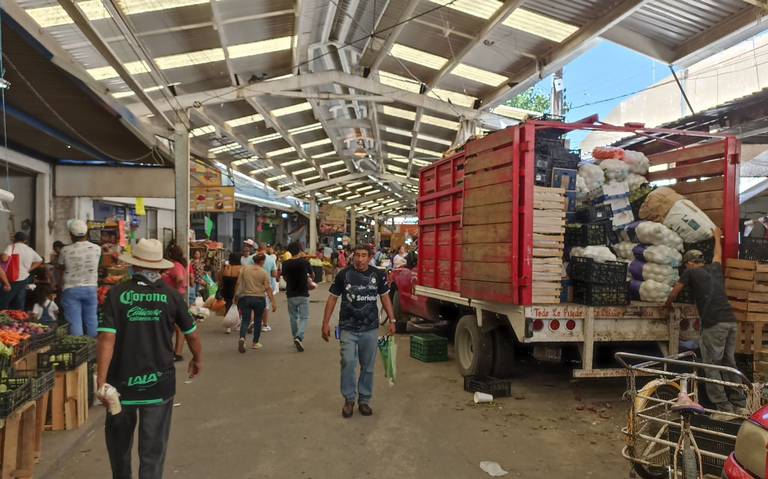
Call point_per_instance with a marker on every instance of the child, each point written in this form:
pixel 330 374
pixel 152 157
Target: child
pixel 45 310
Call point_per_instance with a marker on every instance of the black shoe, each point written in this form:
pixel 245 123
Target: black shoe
pixel 241 345
pixel 177 358
pixel 348 410
pixel 299 345
pixel 365 409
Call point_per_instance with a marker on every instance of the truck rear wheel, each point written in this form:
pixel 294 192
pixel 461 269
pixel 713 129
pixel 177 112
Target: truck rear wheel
pixel 474 348
pixel 503 352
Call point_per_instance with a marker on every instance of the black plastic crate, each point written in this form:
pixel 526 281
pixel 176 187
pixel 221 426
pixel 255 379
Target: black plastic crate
pixel 39 340
pixel 488 385
pixel 429 348
pixel 587 234
pixel 62 358
pixel 745 364
pixel 41 380
pixel 590 271
pixel 22 348
pixel 755 249
pixel 710 442
pixel 707 247
pixel 16 393
pixel 592 294
pixel 62 330
pixel 685 296
pixel 5 363
pixel 593 214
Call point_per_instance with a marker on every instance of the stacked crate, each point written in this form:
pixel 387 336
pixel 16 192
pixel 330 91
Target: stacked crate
pixel 746 284
pixel 548 243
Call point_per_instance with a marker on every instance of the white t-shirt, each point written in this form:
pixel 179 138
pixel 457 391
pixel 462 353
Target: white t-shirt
pixel 81 264
pixel 27 256
pixel 53 310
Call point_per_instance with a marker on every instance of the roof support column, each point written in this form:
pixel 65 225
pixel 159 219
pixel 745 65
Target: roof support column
pixel 313 225
pixel 181 168
pixel 352 227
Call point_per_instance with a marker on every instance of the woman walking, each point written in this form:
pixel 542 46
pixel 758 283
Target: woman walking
pixel 251 293
pixel 177 278
pixel 197 275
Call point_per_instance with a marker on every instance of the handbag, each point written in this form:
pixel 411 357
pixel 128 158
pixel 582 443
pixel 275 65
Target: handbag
pixel 12 266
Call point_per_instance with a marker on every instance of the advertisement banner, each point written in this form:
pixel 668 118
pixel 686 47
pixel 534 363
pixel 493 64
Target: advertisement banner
pixel 332 220
pixel 208 199
pixel 202 175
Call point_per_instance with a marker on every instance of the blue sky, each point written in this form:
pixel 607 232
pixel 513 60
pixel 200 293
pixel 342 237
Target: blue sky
pixel 606 71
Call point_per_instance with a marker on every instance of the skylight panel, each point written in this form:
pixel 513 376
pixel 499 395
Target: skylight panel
pixel 304 171
pixel 421 163
pixel 313 144
pixel 189 59
pixel 399 159
pixel 260 47
pixel 540 25
pixel 478 74
pixel 245 120
pixel 203 130
pixel 397 81
pixel 224 148
pixel 281 151
pixel 433 120
pixel 477 8
pixel 261 170
pixel 289 110
pixel 306 128
pixel 94 10
pixel 455 98
pixel 420 57
pixel 293 162
pixel 105 73
pixel 434 139
pixel 326 154
pixel 512 112
pixel 275 178
pixel 265 138
pixel 334 173
pixel 399 113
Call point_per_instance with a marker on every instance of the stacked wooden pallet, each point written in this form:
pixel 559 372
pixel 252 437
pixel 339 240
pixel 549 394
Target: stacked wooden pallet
pixel 746 284
pixel 549 206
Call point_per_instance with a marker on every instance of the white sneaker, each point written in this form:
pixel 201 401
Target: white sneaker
pixel 257 346
pixel 265 329
pixel 228 331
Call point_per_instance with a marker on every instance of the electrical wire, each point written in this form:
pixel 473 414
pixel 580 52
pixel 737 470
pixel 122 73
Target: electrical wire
pixel 5 122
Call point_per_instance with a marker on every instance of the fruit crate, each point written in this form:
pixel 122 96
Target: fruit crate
pixel 429 348
pixel 587 234
pixel 755 249
pixel 39 340
pixel 711 442
pixel 593 214
pixel 590 271
pixel 488 385
pixel 21 349
pixel 62 330
pixel 63 358
pixel 41 380
pixel 591 294
pixel 13 395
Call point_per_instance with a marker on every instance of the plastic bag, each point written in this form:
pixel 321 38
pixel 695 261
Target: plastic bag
pixel 232 318
pixel 625 250
pixel 638 162
pixel 601 254
pixel 614 170
pixel 388 351
pixel 635 181
pixel 592 174
pixel 664 274
pixel 218 306
pixel 650 291
pixel 687 220
pixel 651 233
pixel 659 254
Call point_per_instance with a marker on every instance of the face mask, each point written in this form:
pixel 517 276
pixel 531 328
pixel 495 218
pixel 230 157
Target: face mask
pixel 150 276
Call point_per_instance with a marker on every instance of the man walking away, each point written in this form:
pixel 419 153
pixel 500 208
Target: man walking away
pixel 134 353
pixel 718 323
pixel 270 266
pixel 28 260
pixel 297 272
pixel 80 262
pixel 359 286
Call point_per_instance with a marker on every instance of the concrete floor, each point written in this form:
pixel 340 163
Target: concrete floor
pixel 276 413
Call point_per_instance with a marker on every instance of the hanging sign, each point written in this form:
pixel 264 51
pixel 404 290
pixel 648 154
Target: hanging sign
pixel 203 175
pixel 208 199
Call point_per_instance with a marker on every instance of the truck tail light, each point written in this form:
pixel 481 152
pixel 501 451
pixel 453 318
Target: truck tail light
pixel 697 325
pixel 554 325
pixel 538 325
pixel 570 325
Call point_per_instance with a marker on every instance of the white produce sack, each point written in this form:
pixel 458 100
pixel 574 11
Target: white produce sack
pixel 592 174
pixel 659 254
pixel 625 250
pixel 635 181
pixel 638 162
pixel 688 221
pixel 664 274
pixel 601 254
pixel 650 291
pixel 614 170
pixel 649 232
pixel 581 185
pixel 232 318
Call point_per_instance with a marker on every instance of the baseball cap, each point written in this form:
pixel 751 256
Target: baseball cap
pixel 77 227
pixel 249 242
pixel 693 256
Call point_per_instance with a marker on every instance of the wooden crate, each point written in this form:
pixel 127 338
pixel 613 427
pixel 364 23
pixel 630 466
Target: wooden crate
pixel 68 401
pixel 750 337
pixel 17 437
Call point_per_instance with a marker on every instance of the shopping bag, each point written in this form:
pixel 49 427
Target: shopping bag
pixel 219 306
pixel 388 351
pixel 232 318
pixel 12 266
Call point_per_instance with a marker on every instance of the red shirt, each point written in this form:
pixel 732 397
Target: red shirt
pixel 177 278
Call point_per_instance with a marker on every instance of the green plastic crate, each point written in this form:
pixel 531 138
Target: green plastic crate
pixel 429 348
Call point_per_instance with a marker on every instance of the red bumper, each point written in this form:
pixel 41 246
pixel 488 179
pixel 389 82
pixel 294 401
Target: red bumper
pixel 733 470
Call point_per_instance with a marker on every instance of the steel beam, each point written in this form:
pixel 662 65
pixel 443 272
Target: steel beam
pixel 363 199
pixel 414 139
pixel 405 15
pixel 640 43
pixel 397 179
pixel 330 96
pixel 324 184
pixel 181 167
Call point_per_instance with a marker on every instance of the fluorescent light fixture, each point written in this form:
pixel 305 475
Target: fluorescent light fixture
pixel 396 169
pixel 433 120
pixel 313 144
pixel 421 162
pixel 288 110
pixel 311 178
pixel 398 159
pixel 334 173
pixel 397 81
pixel 344 194
pixel 281 151
pixel 94 10
pixel 397 145
pixel 372 192
pixel 203 130
pixel 224 148
pixel 326 154
pixel 188 59
pixel 126 94
pixel 242 162
pixel 304 129
pixel 329 165
pixel 304 171
pixel 293 162
pixel 434 139
pixel 420 57
pixel 409 115
pixel 264 139
pixel 368 202
pixel 399 113
pixel 245 120
pixel 364 188
pixel 477 8
pixel 260 47
pixel 333 202
pixel 275 178
pixel 333 190
pixel 261 170
pixel 355 183
pixel 540 25
pixel 398 131
pixel 478 75
pixel 353 197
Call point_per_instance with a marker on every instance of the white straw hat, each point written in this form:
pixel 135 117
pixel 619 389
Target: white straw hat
pixel 148 254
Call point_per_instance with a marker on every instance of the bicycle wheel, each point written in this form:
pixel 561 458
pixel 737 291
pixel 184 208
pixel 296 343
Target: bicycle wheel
pixel 689 460
pixel 657 455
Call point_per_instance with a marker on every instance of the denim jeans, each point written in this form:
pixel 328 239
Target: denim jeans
pixel 718 345
pixel 81 306
pixel 16 298
pixel 298 312
pixel 248 305
pixel 154 428
pixel 358 347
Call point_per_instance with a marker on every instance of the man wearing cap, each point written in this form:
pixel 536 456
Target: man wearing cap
pixel 134 354
pixel 718 323
pixel 80 264
pixel 249 247
pixel 15 289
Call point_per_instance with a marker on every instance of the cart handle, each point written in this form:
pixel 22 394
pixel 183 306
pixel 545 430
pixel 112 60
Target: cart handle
pixel 622 357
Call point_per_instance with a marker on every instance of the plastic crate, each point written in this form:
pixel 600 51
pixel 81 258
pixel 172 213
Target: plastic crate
pixel 755 249
pixel 587 234
pixel 685 296
pixel 488 385
pixel 707 247
pixel 564 178
pixel 17 393
pixel 41 380
pixel 49 360
pixel 590 271
pixel 710 442
pixel 62 330
pixel 429 348
pixel 592 294
pixel 22 348
pixel 592 214
pixel 39 340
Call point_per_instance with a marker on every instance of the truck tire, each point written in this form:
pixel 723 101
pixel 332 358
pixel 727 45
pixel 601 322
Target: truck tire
pixel 503 352
pixel 401 321
pixel 474 348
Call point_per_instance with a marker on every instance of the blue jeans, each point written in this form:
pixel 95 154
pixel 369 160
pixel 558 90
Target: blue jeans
pixel 298 312
pixel 358 347
pixel 16 298
pixel 248 305
pixel 81 306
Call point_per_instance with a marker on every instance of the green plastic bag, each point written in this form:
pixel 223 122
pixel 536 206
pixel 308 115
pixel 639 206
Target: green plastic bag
pixel 388 350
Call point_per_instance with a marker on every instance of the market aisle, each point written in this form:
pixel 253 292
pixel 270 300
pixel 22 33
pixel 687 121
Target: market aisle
pixel 275 413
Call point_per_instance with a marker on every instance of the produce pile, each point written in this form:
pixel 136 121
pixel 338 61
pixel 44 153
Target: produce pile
pixel 15 328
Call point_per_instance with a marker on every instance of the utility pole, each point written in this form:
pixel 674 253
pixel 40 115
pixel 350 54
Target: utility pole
pixel 558 93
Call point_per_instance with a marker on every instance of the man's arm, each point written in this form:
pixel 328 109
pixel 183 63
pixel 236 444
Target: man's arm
pixel 718 255
pixel 386 301
pixel 196 348
pixel 674 294
pixel 4 280
pixel 330 305
pixel 105 349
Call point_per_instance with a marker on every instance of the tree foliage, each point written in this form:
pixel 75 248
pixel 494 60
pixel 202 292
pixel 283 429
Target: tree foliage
pixel 536 99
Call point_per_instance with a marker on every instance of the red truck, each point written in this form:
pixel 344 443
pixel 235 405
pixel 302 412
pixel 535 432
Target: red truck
pixel 492 320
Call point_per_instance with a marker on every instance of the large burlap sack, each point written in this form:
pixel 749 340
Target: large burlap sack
pixel 658 203
pixel 688 221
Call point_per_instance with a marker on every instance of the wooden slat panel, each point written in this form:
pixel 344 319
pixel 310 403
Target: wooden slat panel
pixel 484 215
pixel 706 201
pixel 747 264
pixel 490 177
pixel 494 272
pixel 489 195
pixel 716 216
pixel 490 159
pixel 489 291
pixel 742 274
pixel 690 187
pixel 488 253
pixel 491 142
pixel 494 233
pixel 708 168
pixel 709 151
